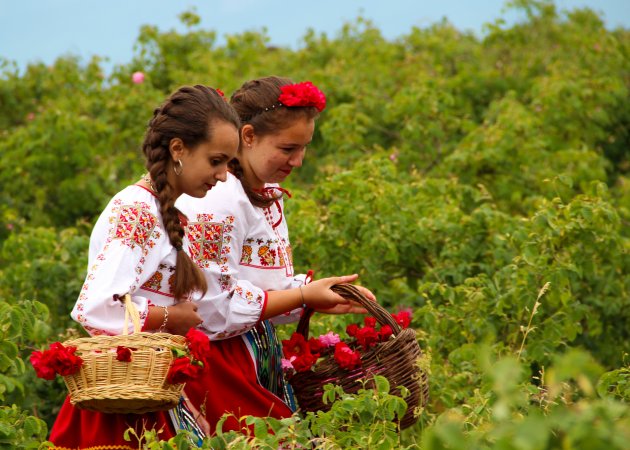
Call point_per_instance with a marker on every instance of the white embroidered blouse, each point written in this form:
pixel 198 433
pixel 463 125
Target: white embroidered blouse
pixel 244 252
pixel 129 253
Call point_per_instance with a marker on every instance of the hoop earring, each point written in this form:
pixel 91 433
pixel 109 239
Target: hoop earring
pixel 178 169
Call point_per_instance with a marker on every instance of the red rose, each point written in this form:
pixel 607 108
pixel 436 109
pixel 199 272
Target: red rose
pixel 385 332
pixel 296 346
pixel 123 353
pixel 63 359
pixel 41 364
pixel 352 329
pixel 403 318
pixel 315 345
pixel 198 344
pixel 302 94
pixel 370 322
pixel 346 357
pixel 182 370
pixel 304 362
pixel 367 337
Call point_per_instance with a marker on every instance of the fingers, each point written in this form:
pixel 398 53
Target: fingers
pixel 368 294
pixel 347 278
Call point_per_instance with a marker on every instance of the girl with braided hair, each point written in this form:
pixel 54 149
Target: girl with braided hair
pixel 138 247
pixel 248 263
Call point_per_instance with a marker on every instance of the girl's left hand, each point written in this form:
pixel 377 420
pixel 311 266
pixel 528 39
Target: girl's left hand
pixel 352 307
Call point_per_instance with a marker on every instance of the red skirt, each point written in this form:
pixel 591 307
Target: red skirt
pixel 229 385
pixel 77 428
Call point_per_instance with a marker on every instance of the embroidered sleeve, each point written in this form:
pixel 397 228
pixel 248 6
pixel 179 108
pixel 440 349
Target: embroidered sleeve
pixel 231 306
pixel 124 253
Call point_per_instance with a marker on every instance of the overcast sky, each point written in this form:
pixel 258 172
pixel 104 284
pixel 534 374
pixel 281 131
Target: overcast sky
pixel 42 30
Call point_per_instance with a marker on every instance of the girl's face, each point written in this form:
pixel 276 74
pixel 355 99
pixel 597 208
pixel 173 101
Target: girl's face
pixel 272 157
pixel 205 164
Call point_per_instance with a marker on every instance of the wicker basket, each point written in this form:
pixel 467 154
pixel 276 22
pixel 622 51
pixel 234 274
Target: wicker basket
pixel 395 359
pixel 107 385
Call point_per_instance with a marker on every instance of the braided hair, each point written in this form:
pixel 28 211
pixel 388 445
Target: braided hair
pixel 188 114
pixel 253 101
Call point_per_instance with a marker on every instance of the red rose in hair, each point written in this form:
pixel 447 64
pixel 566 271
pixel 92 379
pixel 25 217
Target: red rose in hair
pixel 370 322
pixel 304 362
pixel 198 344
pixel 41 364
pixel 385 332
pixel 367 337
pixel 123 354
pixel 346 357
pixel 302 94
pixel 403 318
pixel 182 370
pixel 352 329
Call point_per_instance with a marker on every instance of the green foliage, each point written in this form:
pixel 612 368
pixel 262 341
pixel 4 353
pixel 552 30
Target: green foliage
pixel 481 181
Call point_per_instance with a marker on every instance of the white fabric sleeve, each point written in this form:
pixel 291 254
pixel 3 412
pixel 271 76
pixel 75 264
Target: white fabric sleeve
pixel 231 306
pixel 125 250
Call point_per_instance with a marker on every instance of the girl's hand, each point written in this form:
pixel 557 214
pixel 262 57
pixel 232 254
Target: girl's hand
pixel 182 317
pixel 317 295
pixel 351 307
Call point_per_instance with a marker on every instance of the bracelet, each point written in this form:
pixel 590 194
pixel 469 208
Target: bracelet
pixel 302 295
pixel 164 322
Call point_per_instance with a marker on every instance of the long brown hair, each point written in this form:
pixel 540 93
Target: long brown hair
pixel 188 114
pixel 250 101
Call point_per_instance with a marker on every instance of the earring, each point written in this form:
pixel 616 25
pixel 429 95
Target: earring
pixel 178 169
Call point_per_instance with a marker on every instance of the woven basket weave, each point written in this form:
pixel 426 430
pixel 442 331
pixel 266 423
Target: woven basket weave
pixel 107 385
pixel 395 359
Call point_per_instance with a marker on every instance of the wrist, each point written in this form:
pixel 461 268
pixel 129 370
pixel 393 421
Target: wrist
pixel 162 327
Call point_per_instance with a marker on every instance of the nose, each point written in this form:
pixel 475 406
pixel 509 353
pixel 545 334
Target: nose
pixel 296 158
pixel 222 175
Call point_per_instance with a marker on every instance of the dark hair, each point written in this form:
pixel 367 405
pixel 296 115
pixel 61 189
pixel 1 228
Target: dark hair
pixel 250 101
pixel 188 114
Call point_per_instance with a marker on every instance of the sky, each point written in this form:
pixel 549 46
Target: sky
pixel 42 30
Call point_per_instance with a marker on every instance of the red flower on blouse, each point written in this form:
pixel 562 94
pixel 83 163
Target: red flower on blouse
pixel 346 357
pixel 302 94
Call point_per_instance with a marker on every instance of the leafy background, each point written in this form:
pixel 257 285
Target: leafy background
pixel 482 182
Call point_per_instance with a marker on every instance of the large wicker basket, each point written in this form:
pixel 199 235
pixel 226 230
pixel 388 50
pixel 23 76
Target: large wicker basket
pixel 107 385
pixel 395 359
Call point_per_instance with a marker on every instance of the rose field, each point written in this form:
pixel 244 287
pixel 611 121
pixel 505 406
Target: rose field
pixel 479 185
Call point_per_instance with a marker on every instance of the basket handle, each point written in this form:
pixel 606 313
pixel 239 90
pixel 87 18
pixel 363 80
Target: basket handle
pixel 351 292
pixel 131 311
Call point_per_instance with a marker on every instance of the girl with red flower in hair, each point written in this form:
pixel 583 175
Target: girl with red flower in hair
pixel 138 247
pixel 247 294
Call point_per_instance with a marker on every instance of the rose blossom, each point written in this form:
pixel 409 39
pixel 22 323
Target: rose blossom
pixel 286 364
pixel 123 354
pixel 198 344
pixel 41 364
pixel 329 339
pixel 367 337
pixel 370 322
pixel 182 370
pixel 137 77
pixel 385 332
pixel 352 329
pixel 346 357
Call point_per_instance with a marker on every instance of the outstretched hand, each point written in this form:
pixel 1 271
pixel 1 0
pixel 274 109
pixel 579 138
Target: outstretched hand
pixel 321 298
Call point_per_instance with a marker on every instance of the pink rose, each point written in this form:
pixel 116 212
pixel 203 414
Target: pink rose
pixel 137 77
pixel 329 339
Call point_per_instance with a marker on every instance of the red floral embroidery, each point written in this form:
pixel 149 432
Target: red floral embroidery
pixel 134 225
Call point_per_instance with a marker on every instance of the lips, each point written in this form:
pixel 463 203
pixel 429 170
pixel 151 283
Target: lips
pixel 209 186
pixel 286 172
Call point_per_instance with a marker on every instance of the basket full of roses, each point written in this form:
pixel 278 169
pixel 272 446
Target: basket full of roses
pixel 383 346
pixel 129 373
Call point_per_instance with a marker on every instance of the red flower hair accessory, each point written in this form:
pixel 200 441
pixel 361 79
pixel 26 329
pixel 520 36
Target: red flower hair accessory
pixel 302 94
